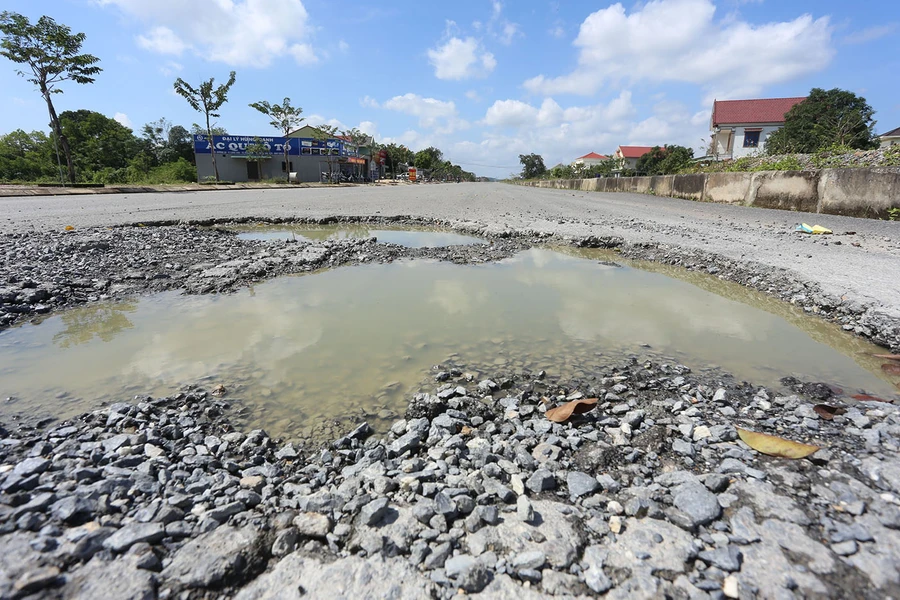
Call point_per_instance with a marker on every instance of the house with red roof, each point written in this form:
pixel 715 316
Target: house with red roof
pixel 891 138
pixel 741 127
pixel 588 160
pixel 627 156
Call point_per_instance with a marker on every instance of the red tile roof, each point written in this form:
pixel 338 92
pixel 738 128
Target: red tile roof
pixel 594 156
pixel 634 151
pixel 768 110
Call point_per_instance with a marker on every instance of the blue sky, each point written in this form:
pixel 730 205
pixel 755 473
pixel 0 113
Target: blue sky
pixel 482 80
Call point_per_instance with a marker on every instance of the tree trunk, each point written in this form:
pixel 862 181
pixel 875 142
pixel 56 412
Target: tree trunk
pixel 212 147
pixel 63 140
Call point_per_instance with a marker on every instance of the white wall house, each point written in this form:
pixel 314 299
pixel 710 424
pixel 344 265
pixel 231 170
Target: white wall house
pixel 588 160
pixel 741 127
pixel 627 156
pixel 891 138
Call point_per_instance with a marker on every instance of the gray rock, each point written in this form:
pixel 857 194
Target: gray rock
pixel 495 488
pixel 728 559
pixel 222 513
pixel 129 535
pixel 743 527
pixel 474 578
pixel 581 484
pixel 457 564
pixel 298 577
pixel 846 548
pixel 532 559
pixel 285 542
pixel 558 536
pixel 372 512
pixel 220 554
pixel 31 466
pixel 540 481
pixel 406 442
pixel 524 509
pixel 310 524
pixel 697 502
pixel 682 447
pixel 489 514
pixel 438 556
pixel 71 509
pixel 444 505
pixel 99 579
pixel 36 579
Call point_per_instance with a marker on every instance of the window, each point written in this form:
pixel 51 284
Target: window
pixel 751 139
pixel 291 166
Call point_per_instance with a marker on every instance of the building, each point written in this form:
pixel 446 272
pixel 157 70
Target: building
pixel 255 158
pixel 741 127
pixel 891 138
pixel 627 156
pixel 588 160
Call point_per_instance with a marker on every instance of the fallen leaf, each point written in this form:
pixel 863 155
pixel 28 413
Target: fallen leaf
pixel 835 389
pixel 219 390
pixel 887 356
pixel 891 368
pixel 466 430
pixel 868 398
pixel 774 445
pixel 561 414
pixel 828 412
pixel 69 228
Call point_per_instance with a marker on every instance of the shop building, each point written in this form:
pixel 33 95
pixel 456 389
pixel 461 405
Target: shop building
pixel 257 158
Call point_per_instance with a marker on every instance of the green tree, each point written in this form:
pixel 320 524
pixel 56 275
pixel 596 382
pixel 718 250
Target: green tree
pixel 207 100
pixel 26 156
pixel 258 151
pixel 285 118
pixel 532 166
pixel 216 130
pixel 51 52
pixel 428 159
pixel 665 160
pixel 824 119
pixel 98 142
pixel 324 133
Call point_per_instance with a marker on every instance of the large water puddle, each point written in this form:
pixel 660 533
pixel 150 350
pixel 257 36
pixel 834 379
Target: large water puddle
pixel 410 237
pixel 353 342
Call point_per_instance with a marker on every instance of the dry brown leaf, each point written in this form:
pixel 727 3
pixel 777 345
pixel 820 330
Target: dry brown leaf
pixel 774 445
pixel 561 414
pixel 868 398
pixel 828 412
pixel 219 390
pixel 69 228
pixel 891 368
pixel 466 430
pixel 887 356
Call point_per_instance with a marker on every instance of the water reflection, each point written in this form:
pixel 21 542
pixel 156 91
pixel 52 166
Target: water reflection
pixel 306 351
pixel 102 321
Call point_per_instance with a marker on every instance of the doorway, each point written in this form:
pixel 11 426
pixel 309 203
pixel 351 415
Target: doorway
pixel 252 170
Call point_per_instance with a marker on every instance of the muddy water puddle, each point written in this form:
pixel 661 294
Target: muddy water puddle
pixel 353 342
pixel 410 237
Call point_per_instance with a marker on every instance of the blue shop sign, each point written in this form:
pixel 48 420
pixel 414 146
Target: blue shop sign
pixel 237 144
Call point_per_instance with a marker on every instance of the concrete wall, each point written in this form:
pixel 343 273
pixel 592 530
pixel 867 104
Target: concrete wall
pixel 854 192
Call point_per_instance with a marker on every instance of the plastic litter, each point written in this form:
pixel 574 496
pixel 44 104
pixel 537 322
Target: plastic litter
pixel 815 229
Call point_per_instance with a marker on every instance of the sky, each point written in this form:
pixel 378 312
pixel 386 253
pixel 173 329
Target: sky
pixel 483 80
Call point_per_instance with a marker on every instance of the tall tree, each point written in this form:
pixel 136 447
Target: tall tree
pixel 825 118
pixel 323 133
pixel 51 52
pixel 207 100
pixel 532 165
pixel 665 160
pixel 98 142
pixel 285 118
pixel 429 158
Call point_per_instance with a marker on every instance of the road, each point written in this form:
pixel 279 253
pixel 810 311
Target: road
pixel 868 272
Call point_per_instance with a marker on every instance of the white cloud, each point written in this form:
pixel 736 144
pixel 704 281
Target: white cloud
pixel 343 46
pixel 473 96
pixel 248 33
pixel 509 33
pixel 458 59
pixel 369 128
pixel 870 34
pixel 122 119
pixel 679 40
pixel 557 31
pixel 170 68
pixel 434 114
pixel 163 41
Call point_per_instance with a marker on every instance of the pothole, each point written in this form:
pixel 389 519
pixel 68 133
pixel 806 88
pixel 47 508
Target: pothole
pixel 352 343
pixel 407 236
